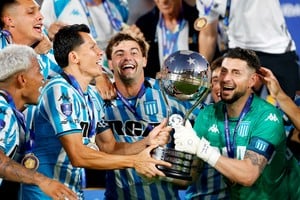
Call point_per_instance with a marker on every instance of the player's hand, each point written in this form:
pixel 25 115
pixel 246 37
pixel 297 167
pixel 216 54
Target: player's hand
pixel 160 135
pixel 43 46
pixel 186 139
pixel 133 30
pixel 270 81
pixel 57 190
pixel 145 165
pixel 105 87
pixel 54 28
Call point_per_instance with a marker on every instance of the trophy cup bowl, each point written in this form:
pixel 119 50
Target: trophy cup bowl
pixel 185 75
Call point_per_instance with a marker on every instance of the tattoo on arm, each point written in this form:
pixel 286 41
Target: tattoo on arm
pixel 256 159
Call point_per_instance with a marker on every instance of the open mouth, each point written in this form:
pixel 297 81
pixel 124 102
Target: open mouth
pixel 38 28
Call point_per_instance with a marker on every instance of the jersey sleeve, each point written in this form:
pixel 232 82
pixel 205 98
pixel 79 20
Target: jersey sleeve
pixel 62 107
pixel 8 131
pixel 267 134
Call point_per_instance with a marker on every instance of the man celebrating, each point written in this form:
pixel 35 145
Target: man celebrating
pixel 242 136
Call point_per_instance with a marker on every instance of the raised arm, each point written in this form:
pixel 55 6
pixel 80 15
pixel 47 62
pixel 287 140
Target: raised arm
pixel 285 102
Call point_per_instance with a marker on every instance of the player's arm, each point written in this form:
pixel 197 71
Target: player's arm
pixel 208 40
pixel 13 171
pixel 244 172
pixel 158 136
pixel 285 102
pixel 83 156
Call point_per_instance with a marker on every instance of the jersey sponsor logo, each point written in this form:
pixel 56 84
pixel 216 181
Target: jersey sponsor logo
pixel 150 107
pixel 272 117
pixel 66 108
pixel 214 129
pixel 130 128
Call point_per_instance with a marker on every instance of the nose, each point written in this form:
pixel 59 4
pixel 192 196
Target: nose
pixel 40 17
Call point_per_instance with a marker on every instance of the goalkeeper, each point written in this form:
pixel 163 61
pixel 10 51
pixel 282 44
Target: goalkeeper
pixel 242 136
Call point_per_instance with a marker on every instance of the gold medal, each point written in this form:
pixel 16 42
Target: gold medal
pixel 30 161
pixel 200 23
pixel 93 146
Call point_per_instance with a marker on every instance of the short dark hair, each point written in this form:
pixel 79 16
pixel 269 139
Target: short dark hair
pixel 122 36
pixel 66 40
pixel 3 5
pixel 244 54
pixel 216 63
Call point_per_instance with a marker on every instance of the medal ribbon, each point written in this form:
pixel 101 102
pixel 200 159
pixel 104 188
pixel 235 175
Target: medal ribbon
pixel 207 8
pixel 116 23
pixel 132 108
pixel 169 39
pixel 89 18
pixel 7 35
pixel 227 13
pixel 230 146
pixel 71 79
pixel 29 139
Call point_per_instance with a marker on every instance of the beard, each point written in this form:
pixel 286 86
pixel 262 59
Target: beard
pixel 234 98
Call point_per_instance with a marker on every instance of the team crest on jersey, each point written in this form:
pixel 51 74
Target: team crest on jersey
pixel 151 107
pixel 243 129
pixel 66 108
pixel 2 124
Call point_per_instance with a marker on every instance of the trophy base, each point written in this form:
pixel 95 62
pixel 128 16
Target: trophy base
pixel 185 166
pixel 174 174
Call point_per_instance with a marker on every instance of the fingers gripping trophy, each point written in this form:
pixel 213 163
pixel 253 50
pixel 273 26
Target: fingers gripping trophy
pixel 185 76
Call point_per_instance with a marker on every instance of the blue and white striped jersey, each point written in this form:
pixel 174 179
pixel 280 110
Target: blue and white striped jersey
pixel 128 127
pixel 47 61
pixel 62 111
pixel 210 185
pixel 9 131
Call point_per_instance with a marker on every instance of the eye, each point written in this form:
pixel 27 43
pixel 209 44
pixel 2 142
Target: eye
pixel 134 52
pixel 223 71
pixel 119 54
pixel 236 73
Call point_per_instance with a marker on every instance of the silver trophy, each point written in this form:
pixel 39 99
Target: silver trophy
pixel 185 75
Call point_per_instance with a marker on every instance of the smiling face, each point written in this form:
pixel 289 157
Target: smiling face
pixel 127 61
pixel 24 21
pixel 236 80
pixel 88 56
pixel 215 85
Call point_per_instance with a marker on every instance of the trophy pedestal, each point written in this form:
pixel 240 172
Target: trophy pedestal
pixel 185 167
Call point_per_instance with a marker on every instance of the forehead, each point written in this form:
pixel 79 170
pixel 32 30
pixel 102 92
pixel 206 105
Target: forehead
pixel 126 45
pixel 234 64
pixel 216 72
pixel 28 3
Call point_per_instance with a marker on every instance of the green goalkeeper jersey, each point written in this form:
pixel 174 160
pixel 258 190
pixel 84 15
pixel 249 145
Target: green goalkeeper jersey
pixel 261 130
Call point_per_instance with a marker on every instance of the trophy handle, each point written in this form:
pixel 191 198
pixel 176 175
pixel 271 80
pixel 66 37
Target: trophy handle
pixel 202 95
pixel 165 100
